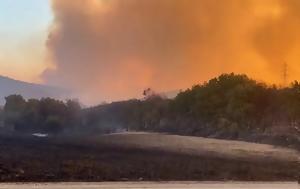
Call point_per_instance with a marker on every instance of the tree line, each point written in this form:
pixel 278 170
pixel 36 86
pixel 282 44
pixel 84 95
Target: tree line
pixel 46 115
pixel 228 106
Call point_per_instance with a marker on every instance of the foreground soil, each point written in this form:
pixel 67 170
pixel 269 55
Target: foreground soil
pixel 153 185
pixel 142 157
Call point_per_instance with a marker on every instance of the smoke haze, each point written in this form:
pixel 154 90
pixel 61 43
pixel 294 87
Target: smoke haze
pixel 113 49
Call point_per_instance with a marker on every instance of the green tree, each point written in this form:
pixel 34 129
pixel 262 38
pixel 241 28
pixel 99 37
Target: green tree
pixel 73 114
pixel 13 109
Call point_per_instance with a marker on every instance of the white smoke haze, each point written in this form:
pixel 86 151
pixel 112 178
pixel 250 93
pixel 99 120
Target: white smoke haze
pixel 113 49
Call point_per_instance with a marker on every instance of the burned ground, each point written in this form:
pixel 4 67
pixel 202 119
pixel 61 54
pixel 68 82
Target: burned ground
pixel 112 158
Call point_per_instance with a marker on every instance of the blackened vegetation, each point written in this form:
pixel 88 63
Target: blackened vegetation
pixel 229 106
pixel 69 159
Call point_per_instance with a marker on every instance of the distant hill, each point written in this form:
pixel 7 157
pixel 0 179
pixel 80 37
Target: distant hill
pixel 10 86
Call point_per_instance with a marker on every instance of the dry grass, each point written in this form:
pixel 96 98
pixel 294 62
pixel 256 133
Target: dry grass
pixel 199 146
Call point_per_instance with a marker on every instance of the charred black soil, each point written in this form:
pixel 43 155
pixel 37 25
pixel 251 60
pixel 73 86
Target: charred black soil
pixel 29 159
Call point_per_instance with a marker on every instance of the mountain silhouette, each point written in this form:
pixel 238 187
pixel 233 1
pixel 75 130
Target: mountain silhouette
pixel 10 86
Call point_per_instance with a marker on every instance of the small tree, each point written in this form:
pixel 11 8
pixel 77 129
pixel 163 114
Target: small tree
pixel 14 106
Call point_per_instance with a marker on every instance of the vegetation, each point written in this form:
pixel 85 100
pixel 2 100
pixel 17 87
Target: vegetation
pixel 45 115
pixel 229 106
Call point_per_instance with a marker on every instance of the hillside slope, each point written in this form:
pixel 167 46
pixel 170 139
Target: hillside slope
pixel 10 86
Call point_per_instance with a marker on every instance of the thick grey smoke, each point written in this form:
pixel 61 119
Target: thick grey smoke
pixel 113 49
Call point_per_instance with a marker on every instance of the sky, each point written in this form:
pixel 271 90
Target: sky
pixel 107 50
pixel 24 28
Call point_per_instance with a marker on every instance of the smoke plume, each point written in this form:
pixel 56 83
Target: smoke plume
pixel 113 49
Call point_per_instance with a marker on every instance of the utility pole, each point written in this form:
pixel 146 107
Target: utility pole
pixel 285 73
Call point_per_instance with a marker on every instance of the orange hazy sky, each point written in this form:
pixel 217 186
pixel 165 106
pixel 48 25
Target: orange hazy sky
pixel 112 49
